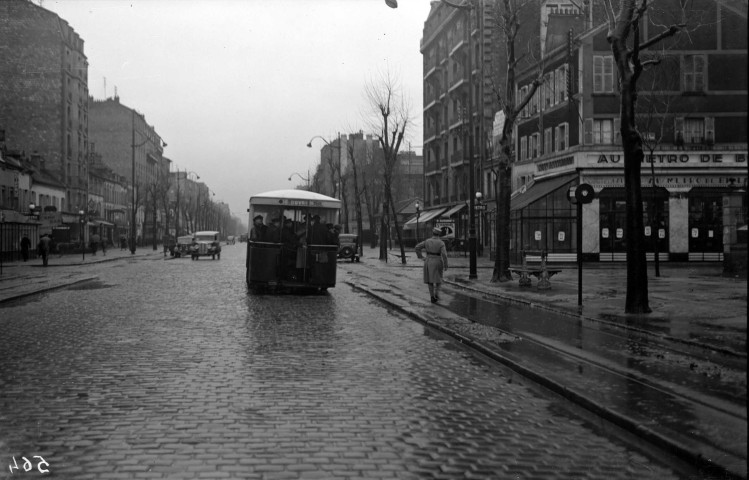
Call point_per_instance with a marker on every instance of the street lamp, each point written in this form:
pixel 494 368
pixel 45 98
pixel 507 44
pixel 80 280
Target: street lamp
pixel 306 179
pixel 418 212
pixel 81 235
pixel 332 146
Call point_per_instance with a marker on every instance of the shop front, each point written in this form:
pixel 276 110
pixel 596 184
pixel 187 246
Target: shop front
pixel 685 197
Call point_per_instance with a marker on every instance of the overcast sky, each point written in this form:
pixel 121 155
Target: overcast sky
pixel 238 87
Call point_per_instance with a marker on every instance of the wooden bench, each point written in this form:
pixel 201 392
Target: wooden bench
pixel 540 270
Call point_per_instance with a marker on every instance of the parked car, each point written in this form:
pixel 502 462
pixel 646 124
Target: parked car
pixel 205 244
pixel 183 248
pixel 348 247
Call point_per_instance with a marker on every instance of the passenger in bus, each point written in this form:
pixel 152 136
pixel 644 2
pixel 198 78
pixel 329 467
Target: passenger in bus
pixel 319 234
pixel 273 233
pixel 259 229
pixel 290 243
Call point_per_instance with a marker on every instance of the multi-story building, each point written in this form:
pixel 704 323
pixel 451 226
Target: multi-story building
pixel 692 115
pixel 44 93
pixel 108 199
pixel 457 46
pixel 132 149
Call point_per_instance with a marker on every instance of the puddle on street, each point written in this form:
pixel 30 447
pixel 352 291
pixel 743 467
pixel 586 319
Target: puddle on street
pixel 615 349
pixel 92 285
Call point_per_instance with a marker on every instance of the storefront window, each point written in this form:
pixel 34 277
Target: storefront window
pixel 705 221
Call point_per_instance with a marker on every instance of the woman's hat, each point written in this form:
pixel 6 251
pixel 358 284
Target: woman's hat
pixel 436 231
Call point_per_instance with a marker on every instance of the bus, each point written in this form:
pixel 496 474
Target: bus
pixel 291 251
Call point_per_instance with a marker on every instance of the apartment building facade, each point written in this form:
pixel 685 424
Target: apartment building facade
pixel 44 94
pixel 133 150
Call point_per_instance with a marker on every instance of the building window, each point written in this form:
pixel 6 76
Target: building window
pixel 603 131
pixel 561 137
pixel 547 141
pixel 603 74
pixel 693 73
pixel 561 84
pixel 694 130
pixel 523 148
pixel 534 145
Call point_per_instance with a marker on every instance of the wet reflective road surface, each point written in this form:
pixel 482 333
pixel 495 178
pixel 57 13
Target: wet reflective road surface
pixel 693 395
pixel 169 369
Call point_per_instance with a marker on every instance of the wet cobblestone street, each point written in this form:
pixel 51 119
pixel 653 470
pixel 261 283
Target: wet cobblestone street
pixel 169 369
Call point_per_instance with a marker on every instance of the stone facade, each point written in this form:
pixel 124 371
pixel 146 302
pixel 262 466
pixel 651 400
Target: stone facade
pixel 44 94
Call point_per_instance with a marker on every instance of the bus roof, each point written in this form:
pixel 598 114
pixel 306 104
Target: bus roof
pixel 295 198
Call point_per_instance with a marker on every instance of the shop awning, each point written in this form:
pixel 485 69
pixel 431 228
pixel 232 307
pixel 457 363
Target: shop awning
pixel 67 218
pixel 422 217
pixel 453 210
pixel 106 224
pixel 539 190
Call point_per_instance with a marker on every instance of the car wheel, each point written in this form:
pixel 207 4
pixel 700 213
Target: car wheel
pixel 346 252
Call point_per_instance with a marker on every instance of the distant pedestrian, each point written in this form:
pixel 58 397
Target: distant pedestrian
pixel 95 239
pixel 435 263
pixel 43 248
pixel 25 247
pixel 123 242
pixel 103 244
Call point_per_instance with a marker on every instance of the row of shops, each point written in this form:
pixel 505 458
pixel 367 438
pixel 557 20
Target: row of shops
pixel 66 230
pixel 691 211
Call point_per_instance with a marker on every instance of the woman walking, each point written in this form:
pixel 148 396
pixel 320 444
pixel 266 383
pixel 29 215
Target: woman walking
pixel 435 263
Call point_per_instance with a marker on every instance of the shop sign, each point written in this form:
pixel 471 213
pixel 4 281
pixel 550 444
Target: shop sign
pixel 695 233
pixel 668 181
pixel 537 235
pixel 647 231
pixel 675 159
pixel 560 236
pixel 619 233
pixel 605 233
pixel 661 233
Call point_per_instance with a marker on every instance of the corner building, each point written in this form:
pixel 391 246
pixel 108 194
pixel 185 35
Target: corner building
pixel 692 114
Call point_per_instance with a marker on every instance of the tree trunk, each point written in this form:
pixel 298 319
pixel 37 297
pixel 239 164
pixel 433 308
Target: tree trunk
pixel 395 221
pixel 501 271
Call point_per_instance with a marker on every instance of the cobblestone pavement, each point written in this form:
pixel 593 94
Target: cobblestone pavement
pixel 169 369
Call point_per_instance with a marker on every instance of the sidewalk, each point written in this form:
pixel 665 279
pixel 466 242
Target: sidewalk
pixel 21 279
pixel 693 306
pixel 690 302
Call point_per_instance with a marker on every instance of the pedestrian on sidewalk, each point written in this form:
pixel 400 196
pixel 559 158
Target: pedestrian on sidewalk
pixel 25 247
pixel 43 248
pixel 435 263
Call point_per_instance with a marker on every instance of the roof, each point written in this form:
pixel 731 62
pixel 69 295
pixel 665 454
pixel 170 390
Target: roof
pixel 295 198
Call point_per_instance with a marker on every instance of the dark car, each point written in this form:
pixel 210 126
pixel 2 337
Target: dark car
pixel 348 247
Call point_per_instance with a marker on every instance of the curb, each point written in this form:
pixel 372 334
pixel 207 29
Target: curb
pixel 46 289
pixel 626 423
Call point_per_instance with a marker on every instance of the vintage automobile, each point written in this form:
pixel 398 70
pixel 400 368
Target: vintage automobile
pixel 348 247
pixel 205 244
pixel 183 247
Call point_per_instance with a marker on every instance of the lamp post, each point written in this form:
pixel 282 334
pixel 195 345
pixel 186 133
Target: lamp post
pixel 480 207
pixel 306 179
pixel 332 146
pixel 81 235
pixel 467 139
pixel 418 212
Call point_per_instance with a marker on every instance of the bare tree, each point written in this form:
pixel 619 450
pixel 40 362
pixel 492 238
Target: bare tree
pixel 390 119
pixel 624 37
pixel 654 113
pixel 507 16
